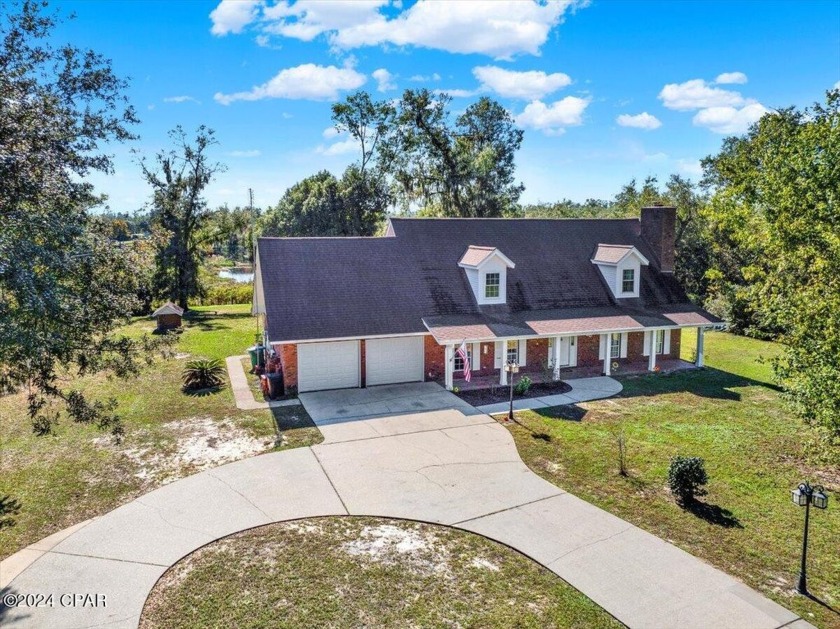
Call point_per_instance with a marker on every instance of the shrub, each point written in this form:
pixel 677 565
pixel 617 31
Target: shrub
pixel 203 374
pixel 523 386
pixel 686 477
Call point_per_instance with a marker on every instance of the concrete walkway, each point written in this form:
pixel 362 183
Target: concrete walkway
pixel 242 392
pixel 583 390
pixel 442 467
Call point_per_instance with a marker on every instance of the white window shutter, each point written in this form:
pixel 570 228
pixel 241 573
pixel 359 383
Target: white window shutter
pixel 646 345
pixel 624 344
pixel 523 353
pixel 602 345
pixel 476 356
pixel 666 349
pixel 499 353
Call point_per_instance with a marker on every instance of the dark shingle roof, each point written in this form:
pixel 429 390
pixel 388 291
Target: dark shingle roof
pixel 319 288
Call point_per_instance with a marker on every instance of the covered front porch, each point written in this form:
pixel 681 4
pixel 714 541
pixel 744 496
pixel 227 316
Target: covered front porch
pixel 619 352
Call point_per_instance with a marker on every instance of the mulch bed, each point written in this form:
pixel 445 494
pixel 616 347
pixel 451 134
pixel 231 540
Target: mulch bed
pixel 479 397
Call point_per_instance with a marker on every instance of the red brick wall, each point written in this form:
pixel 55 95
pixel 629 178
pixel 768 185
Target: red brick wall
pixel 537 355
pixel 676 337
pixel 587 348
pixel 635 346
pixel 434 359
pixel 288 358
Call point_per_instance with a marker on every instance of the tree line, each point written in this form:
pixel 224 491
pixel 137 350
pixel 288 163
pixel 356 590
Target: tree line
pixel 758 237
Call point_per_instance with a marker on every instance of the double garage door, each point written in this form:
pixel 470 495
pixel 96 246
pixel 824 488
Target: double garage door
pixel 337 365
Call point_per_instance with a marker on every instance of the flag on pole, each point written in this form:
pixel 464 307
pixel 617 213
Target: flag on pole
pixel 462 352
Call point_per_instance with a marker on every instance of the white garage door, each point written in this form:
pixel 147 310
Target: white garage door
pixel 393 360
pixel 328 365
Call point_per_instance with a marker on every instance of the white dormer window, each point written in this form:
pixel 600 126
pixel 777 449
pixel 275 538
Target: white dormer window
pixel 620 266
pixel 486 269
pixel 491 285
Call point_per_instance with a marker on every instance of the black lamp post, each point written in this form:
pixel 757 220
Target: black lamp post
pixel 805 496
pixel 511 367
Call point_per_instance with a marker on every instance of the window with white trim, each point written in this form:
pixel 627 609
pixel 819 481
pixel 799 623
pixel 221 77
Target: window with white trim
pixel 660 341
pixel 512 352
pixel 615 345
pixel 492 283
pixel 459 362
pixel 628 281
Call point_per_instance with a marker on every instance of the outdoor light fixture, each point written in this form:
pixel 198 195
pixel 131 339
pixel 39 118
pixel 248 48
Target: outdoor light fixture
pixel 805 496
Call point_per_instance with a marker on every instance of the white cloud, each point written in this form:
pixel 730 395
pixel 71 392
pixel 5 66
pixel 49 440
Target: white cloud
pixel 456 93
pixel 307 81
pixel 691 167
pixel 551 119
pixel 529 85
pixel 697 94
pixel 330 132
pixel 643 120
pixel 181 99
pixel 252 153
pixel 384 80
pixel 498 28
pixel 231 16
pixel 837 85
pixel 341 147
pixel 425 78
pixel 731 77
pixel 729 119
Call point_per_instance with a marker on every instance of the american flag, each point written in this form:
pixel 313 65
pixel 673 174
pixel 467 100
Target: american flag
pixel 462 352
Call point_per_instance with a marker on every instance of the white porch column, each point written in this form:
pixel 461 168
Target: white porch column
pixel 652 350
pixel 556 357
pixel 449 367
pixel 698 359
pixel 605 341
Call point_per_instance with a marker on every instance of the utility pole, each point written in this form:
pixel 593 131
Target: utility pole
pixel 251 218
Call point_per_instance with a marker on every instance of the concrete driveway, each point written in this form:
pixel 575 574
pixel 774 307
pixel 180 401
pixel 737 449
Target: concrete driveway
pixel 342 405
pixel 441 467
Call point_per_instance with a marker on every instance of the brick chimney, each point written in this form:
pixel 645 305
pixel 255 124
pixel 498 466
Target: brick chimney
pixel 659 229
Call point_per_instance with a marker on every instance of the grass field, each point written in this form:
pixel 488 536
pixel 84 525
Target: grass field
pixel 729 415
pixel 364 572
pixel 51 482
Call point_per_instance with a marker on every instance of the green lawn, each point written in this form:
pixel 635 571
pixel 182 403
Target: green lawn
pixel 364 572
pixel 61 479
pixel 729 415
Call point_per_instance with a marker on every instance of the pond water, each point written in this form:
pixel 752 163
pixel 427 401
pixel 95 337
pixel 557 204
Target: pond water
pixel 237 275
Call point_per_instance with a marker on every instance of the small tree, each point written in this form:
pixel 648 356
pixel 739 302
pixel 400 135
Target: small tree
pixel 203 374
pixel 686 478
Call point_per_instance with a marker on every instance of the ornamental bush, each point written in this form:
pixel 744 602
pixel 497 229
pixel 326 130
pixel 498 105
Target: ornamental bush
pixel 523 386
pixel 203 374
pixel 686 478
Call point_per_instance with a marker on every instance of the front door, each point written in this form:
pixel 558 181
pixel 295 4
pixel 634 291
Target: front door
pixel 564 351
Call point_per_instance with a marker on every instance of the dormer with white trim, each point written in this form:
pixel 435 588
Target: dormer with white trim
pixel 620 265
pixel 486 269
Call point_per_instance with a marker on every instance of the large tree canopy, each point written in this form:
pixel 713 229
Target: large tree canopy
pixel 178 177
pixel 64 285
pixel 322 205
pixel 431 162
pixel 776 211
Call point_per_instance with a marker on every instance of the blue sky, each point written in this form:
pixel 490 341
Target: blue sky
pixel 605 90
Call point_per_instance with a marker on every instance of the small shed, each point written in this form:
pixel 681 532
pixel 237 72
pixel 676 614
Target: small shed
pixel 168 316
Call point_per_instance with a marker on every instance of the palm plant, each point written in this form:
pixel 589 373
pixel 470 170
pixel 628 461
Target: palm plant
pixel 203 373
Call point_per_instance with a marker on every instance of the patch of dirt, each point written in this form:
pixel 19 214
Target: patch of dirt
pixel 195 444
pixel 390 544
pixel 478 397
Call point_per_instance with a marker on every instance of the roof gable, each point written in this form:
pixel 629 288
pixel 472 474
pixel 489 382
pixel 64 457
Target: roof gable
pixel 167 309
pixel 476 256
pixel 614 254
